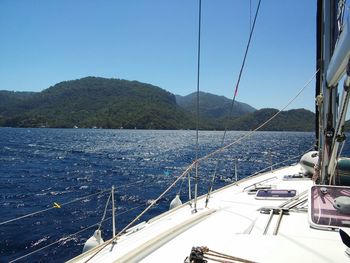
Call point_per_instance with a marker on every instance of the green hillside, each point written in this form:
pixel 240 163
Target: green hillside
pixel 10 100
pixel 292 120
pixel 100 102
pixel 115 103
pixel 212 106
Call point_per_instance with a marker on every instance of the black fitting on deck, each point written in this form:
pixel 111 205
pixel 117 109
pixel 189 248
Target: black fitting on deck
pixel 196 256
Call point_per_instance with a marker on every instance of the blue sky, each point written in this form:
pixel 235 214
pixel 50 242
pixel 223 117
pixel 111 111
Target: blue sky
pixel 155 41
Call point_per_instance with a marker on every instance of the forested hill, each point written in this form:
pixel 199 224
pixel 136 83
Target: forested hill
pixel 10 100
pixel 98 102
pixel 292 120
pixel 212 106
pixel 115 103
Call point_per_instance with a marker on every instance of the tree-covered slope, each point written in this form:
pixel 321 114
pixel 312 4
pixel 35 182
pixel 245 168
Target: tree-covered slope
pixel 212 106
pixel 12 101
pixel 116 103
pixel 100 102
pixel 292 120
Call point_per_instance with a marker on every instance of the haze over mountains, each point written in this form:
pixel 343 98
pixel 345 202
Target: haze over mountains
pixel 115 103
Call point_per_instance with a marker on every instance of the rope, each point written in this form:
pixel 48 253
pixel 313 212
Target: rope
pixel 291 158
pixel 131 184
pixel 234 99
pixel 64 204
pixel 58 241
pixel 74 234
pixel 105 211
pixel 191 166
pixel 250 133
pixel 256 129
pixel 250 15
pixel 199 254
pixel 50 208
pixel 180 188
pixel 197 120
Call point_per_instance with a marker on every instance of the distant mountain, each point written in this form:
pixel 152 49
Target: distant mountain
pixel 115 103
pixel 100 102
pixel 212 106
pixel 292 120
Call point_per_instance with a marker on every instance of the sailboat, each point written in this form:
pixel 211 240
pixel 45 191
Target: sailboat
pixel 298 213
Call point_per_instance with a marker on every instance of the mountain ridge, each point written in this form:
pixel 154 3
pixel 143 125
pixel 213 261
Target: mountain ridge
pixel 212 106
pixel 117 103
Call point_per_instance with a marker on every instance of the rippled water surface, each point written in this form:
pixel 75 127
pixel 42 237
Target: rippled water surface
pixel 41 166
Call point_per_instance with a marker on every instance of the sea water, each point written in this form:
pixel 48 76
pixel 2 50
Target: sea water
pixel 44 169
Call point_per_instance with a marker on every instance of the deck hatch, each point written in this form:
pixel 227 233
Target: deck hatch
pixel 275 193
pixel 327 207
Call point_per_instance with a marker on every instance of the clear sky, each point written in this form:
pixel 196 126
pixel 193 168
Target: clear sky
pixel 155 41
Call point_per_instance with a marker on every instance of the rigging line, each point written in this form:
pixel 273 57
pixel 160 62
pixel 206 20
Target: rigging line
pixel 74 234
pixel 246 53
pixel 105 211
pixel 131 184
pixel 284 161
pixel 248 134
pixel 57 241
pixel 197 119
pixel 143 212
pixel 234 96
pixel 131 209
pixel 64 204
pixel 190 167
pixel 47 209
pixel 180 188
pixel 250 15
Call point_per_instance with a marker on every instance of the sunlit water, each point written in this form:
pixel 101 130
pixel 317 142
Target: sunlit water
pixel 41 166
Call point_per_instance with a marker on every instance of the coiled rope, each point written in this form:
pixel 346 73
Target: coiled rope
pixel 201 254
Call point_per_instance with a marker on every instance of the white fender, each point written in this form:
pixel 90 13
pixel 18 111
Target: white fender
pixel 93 241
pixel 175 202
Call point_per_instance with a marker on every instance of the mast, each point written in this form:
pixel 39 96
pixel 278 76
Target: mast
pixel 319 59
pixel 335 64
pixel 329 106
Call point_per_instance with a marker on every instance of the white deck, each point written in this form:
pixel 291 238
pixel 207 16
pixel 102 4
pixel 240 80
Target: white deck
pixel 231 225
